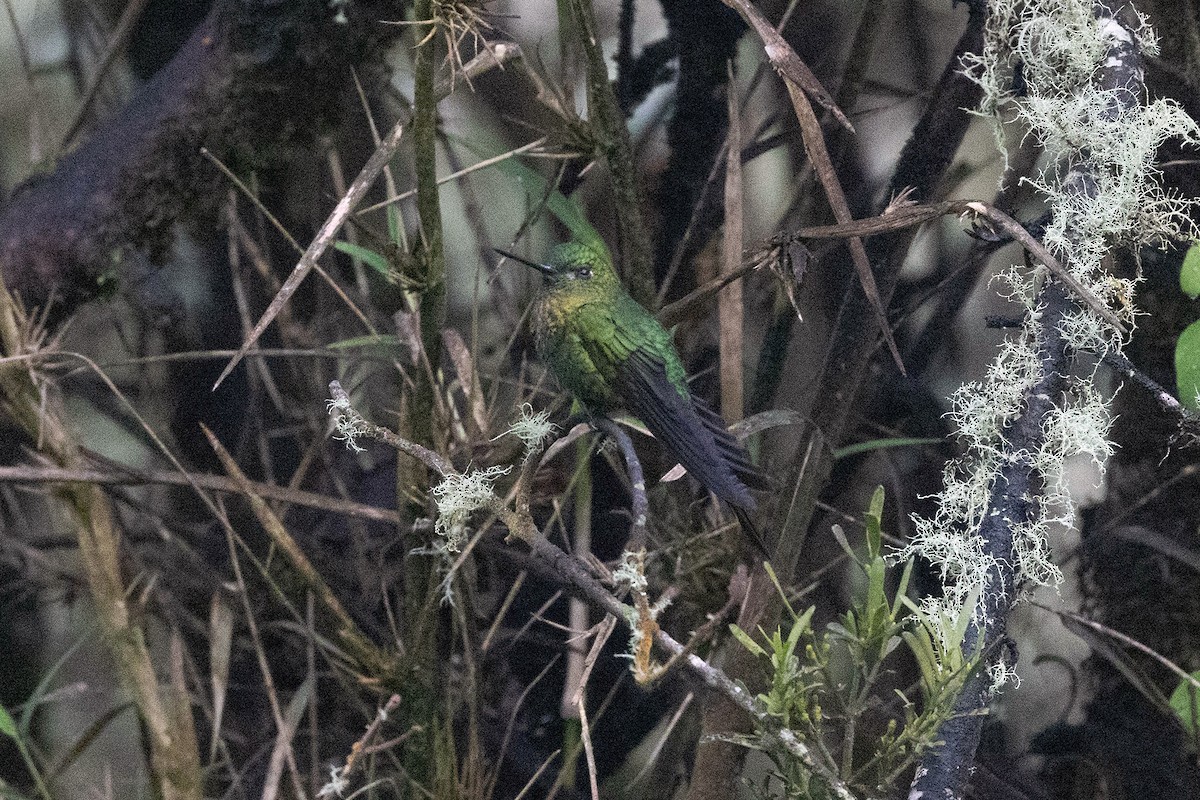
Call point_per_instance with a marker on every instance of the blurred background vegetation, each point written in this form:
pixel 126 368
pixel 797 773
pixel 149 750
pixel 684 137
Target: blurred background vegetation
pixel 167 162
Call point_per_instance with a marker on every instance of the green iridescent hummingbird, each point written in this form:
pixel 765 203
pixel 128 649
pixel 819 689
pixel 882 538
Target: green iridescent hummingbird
pixel 612 354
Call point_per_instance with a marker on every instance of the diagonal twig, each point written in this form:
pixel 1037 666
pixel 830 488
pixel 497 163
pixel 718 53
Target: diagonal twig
pixel 800 87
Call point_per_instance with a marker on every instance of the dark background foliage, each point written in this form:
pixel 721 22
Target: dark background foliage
pixel 128 235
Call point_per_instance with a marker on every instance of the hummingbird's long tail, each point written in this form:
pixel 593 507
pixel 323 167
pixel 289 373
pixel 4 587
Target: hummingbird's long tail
pixel 694 434
pixel 751 532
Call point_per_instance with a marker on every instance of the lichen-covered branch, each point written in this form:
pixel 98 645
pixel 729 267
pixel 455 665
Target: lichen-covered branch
pixel 573 573
pixel 1082 66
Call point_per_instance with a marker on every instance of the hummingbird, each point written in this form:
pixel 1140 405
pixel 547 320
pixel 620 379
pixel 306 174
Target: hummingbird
pixel 611 354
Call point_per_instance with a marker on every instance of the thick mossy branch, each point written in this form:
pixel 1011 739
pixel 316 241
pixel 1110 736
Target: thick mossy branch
pixel 233 89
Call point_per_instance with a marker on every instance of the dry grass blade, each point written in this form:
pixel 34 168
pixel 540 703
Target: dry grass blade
pixel 785 61
pixel 116 46
pixel 512 724
pixel 282 752
pixel 124 476
pixel 260 655
pixel 814 145
pixel 1100 628
pixel 468 378
pixel 534 778
pixel 585 733
pixel 800 83
pixel 662 741
pixel 577 609
pixel 174 760
pixel 367 656
pixel 495 54
pixel 603 630
pixel 462 173
pixel 21 42
pixel 220 645
pixel 321 242
pixel 730 310
pixel 178 700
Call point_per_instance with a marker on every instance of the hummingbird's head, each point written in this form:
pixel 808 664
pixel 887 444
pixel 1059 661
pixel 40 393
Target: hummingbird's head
pixel 573 266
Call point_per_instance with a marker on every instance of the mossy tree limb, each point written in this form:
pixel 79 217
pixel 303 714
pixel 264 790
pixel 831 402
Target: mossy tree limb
pixel 612 144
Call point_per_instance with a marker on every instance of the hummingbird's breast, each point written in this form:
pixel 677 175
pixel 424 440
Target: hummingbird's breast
pixel 566 326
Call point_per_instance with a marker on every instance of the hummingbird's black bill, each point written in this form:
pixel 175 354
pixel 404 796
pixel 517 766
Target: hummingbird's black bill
pixel 545 269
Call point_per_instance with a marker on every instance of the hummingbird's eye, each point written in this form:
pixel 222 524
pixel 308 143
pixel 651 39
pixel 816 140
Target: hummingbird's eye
pixel 583 272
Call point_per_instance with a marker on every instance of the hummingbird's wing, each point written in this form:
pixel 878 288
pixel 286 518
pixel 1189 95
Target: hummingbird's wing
pixel 735 454
pixel 690 431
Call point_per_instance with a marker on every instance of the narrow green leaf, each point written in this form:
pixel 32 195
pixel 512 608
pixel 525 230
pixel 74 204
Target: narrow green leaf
pixel 921 646
pixel 1185 702
pixel 86 739
pixel 874 524
pixel 779 588
pixel 1187 366
pixel 798 629
pixel 902 589
pixel 8 725
pixel 839 536
pixel 876 606
pixel 374 260
pixel 881 444
pixel 567 211
pixel 395 231
pixel 1189 273
pixel 372 340
pixel 748 643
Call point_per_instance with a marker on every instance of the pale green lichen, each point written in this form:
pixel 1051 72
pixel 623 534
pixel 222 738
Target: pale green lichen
pixel 458 496
pixel 347 423
pixel 337 785
pixel 1089 134
pixel 533 429
pixel 630 573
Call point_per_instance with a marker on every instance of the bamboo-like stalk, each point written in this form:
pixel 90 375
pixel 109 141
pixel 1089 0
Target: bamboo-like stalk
pixel 423 701
pixel 165 711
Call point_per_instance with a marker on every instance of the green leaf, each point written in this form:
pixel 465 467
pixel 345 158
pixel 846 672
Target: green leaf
pixel 748 643
pixel 566 210
pixel 376 261
pixel 1185 702
pixel 902 589
pixel 779 588
pixel 800 625
pixel 881 444
pixel 874 523
pixel 8 725
pixel 839 536
pixel 1187 366
pixel 370 340
pixel 1189 273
